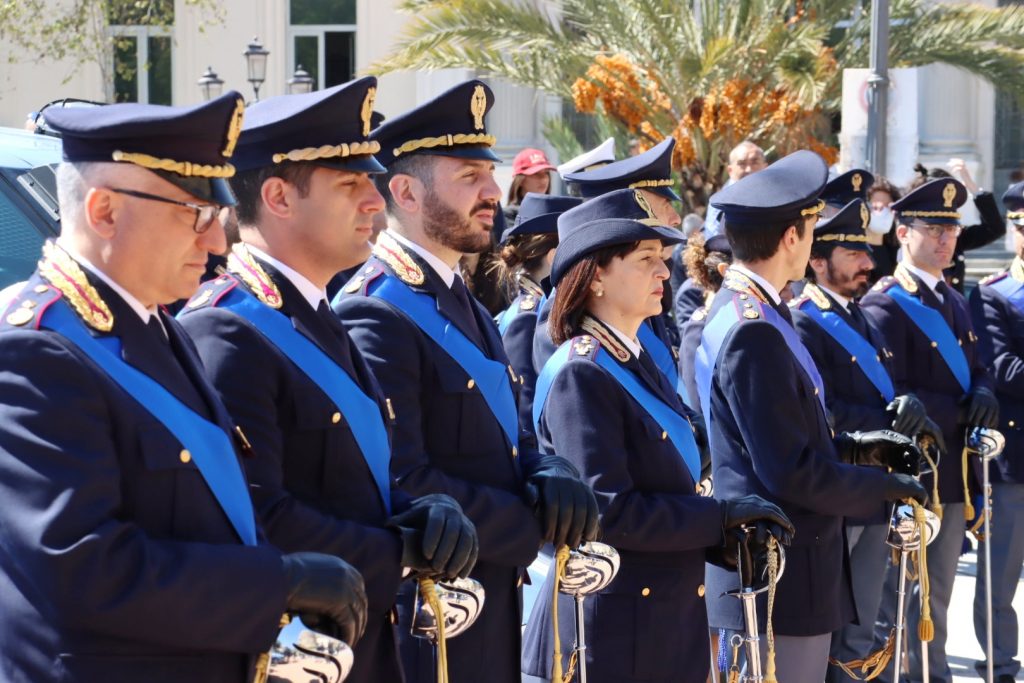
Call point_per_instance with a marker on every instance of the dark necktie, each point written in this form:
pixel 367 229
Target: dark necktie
pixel 946 306
pixel 340 340
pixel 860 323
pixel 783 310
pixel 156 330
pixel 461 293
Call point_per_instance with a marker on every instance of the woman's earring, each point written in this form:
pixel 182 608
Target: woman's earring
pixel 600 292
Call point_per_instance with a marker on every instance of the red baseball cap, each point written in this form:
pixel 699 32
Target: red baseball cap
pixel 530 161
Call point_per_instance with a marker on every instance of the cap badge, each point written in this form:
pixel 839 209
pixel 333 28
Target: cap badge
pixel 865 217
pixel 644 204
pixel 234 128
pixel 857 180
pixel 366 113
pixel 478 107
pixel 948 195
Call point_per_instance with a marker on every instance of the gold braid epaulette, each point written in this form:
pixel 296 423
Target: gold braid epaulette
pixel 905 279
pixel 651 183
pixel 388 250
pixel 1017 269
pixel 63 272
pixel 242 264
pixel 446 141
pixel 329 151
pixel 185 168
pixel 606 339
pixel 738 282
pixel 817 296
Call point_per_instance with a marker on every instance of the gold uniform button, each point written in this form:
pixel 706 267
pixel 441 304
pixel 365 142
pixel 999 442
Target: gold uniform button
pixel 185 456
pixel 935 345
pixel 664 435
pixel 853 359
pixel 515 451
pixel 519 582
pixel 815 391
pixel 645 592
pixel 1010 423
pixel 700 591
pixel 470 384
pixel 336 418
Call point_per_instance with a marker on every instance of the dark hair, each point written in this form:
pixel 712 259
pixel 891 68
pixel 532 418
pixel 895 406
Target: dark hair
pixel 882 184
pixel 574 289
pixel 515 190
pixel 922 175
pixel 702 265
pixel 419 166
pixel 761 242
pixel 521 252
pixel 248 186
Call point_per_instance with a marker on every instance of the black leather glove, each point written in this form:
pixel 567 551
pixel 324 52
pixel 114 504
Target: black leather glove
pixel 565 505
pixel 932 431
pixel 880 448
pixel 327 593
pixel 980 408
pixel 437 538
pixel 754 510
pixel 700 435
pixel 901 486
pixel 908 414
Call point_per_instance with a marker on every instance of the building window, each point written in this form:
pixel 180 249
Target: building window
pixel 322 39
pixel 142 51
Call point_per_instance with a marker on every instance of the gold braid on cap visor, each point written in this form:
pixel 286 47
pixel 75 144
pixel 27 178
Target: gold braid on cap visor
pixel 812 210
pixel 842 238
pixel 446 141
pixel 651 183
pixel 329 151
pixel 183 168
pixel 930 214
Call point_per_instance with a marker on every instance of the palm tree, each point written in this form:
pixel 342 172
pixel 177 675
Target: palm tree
pixel 708 72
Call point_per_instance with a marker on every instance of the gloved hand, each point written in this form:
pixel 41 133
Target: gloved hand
pixel 980 408
pixel 901 486
pixel 742 514
pixel 932 431
pixel 565 505
pixel 327 593
pixel 908 414
pixel 700 435
pixel 437 538
pixel 880 448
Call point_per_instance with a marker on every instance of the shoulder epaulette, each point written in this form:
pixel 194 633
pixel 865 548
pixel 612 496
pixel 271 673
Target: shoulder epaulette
pixel 212 291
pixel 242 264
pixel 884 284
pixel 816 296
pixel 994 278
pixel 359 283
pixel 584 347
pixel 389 251
pixel 606 339
pixel 527 302
pixel 905 280
pixel 26 309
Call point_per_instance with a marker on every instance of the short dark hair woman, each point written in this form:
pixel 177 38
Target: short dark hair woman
pixel 602 404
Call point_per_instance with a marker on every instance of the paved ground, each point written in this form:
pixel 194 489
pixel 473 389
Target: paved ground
pixel 962 647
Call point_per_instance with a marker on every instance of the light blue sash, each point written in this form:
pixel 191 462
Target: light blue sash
pixel 490 376
pixel 209 445
pixel 1012 289
pixel 678 428
pixel 934 327
pixel 362 413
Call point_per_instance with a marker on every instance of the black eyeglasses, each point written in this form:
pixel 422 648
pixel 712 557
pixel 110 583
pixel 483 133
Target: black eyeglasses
pixel 205 213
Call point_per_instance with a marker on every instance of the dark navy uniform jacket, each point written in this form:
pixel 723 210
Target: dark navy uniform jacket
pixel 918 367
pixel 991 228
pixel 310 483
pixel 688 298
pixel 518 343
pixel 447 440
pixel 853 401
pixel 650 623
pixel 116 561
pixel 771 437
pixel 691 334
pixel 1000 325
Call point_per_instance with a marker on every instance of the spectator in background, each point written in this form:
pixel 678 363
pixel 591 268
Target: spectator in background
pixel 744 159
pixel 990 229
pixel 881 235
pixel 531 172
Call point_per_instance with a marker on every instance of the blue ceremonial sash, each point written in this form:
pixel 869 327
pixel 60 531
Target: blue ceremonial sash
pixel 490 376
pixel 714 336
pixel 934 327
pixel 1012 289
pixel 209 445
pixel 505 318
pixel 661 354
pixel 678 428
pixel 362 413
pixel 856 345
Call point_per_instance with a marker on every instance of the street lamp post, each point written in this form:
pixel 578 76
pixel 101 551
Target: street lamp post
pixel 256 61
pixel 301 82
pixel 210 84
pixel 878 86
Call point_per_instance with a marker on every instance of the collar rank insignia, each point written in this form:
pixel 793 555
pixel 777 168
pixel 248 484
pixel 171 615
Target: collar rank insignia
pixel 584 345
pixel 1017 269
pixel 608 341
pixel 354 284
pixel 201 299
pixel 905 279
pixel 242 264
pixel 64 273
pixel 391 252
pixel 817 296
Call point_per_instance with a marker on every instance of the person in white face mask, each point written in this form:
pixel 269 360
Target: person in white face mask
pixel 884 247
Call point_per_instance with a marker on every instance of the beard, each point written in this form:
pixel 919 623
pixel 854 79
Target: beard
pixel 453 230
pixel 845 285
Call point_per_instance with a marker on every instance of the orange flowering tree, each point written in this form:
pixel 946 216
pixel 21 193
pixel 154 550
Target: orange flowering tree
pixel 710 73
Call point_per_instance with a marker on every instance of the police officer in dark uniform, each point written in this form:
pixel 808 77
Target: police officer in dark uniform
pixel 130 547
pixel 997 310
pixel 928 328
pixel 526 251
pixel 438 357
pixel 288 372
pixel 845 188
pixel 605 405
pixel 764 402
pixel 854 364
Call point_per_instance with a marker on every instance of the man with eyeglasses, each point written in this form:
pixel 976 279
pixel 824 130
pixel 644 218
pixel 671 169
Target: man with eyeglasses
pixel 997 306
pixel 130 549
pixel 935 354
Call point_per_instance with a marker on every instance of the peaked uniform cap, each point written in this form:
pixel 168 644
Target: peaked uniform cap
pixel 538 214
pixel 937 201
pixel 599 156
pixel 845 187
pixel 651 170
pixel 787 190
pixel 187 146
pixel 327 127
pixel 1013 200
pixel 848 228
